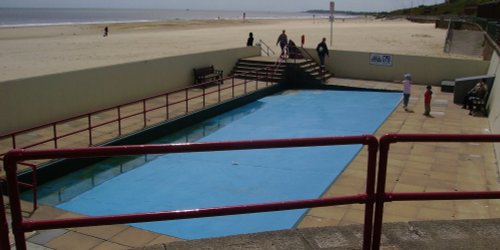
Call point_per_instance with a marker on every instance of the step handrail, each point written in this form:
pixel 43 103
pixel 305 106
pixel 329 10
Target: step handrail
pixel 268 49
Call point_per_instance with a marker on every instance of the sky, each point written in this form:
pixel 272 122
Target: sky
pixel 243 5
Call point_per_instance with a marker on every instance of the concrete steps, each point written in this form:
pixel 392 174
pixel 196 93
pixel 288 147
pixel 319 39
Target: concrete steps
pixel 268 68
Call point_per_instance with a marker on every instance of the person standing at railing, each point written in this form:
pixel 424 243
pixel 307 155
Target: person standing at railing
pixel 282 41
pixel 250 39
pixel 322 50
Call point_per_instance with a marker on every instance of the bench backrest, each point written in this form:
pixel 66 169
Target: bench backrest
pixel 204 70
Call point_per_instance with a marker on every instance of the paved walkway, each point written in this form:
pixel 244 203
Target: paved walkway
pixel 413 167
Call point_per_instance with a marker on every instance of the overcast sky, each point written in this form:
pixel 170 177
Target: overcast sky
pixel 243 5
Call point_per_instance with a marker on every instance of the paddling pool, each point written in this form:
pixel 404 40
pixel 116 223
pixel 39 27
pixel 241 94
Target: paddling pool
pixel 210 179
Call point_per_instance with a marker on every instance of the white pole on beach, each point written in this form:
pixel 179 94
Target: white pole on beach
pixel 332 8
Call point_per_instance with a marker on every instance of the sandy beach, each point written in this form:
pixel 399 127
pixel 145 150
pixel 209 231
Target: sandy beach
pixel 33 51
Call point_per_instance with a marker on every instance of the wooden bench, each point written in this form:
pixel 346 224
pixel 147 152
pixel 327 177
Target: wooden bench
pixel 207 74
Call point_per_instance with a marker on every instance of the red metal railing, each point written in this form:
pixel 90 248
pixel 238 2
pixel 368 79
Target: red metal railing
pixel 90 127
pixel 383 196
pixel 20 226
pixel 4 228
pixel 33 185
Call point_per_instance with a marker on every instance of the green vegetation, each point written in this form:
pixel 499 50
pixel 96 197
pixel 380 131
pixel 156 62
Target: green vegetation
pixel 454 7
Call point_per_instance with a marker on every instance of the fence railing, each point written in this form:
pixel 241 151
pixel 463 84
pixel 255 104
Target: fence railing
pixel 164 106
pixel 4 227
pixel 266 49
pixel 91 127
pixel 490 26
pixel 20 225
pixel 449 37
pixel 372 221
pixel 382 196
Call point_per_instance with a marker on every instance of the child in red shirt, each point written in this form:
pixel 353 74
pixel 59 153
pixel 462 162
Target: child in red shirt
pixel 427 100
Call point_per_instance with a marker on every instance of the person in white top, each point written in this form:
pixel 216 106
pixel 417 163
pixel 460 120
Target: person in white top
pixel 406 90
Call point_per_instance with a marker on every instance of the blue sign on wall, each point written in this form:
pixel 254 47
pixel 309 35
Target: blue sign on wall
pixel 380 59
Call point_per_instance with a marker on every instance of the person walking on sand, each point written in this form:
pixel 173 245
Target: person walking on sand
pixel 106 31
pixel 406 90
pixel 250 39
pixel 322 50
pixel 427 100
pixel 282 41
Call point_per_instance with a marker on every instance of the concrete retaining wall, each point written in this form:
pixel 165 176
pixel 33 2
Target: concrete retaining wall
pixel 425 70
pixel 26 103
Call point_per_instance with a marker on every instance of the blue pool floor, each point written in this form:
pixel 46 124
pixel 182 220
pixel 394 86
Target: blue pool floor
pixel 211 179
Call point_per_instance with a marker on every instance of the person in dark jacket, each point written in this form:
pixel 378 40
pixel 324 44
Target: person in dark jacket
pixel 322 50
pixel 282 41
pixel 250 39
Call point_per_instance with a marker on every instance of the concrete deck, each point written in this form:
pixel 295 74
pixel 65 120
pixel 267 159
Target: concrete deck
pixel 413 167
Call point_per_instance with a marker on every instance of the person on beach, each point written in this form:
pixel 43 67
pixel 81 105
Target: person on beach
pixel 282 41
pixel 322 50
pixel 250 39
pixel 427 100
pixel 106 31
pixel 406 90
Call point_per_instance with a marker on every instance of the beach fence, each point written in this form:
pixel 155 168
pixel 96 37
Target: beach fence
pixel 373 198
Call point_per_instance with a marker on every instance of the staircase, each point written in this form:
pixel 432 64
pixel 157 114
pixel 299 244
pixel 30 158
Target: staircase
pixel 267 69
pixel 264 68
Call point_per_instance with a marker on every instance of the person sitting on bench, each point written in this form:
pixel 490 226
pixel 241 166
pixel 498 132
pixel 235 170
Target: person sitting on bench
pixel 479 91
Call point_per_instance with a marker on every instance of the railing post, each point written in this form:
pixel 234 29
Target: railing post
pixel 218 91
pixel 89 118
pixel 232 87
pixel 15 202
pixel 187 100
pixel 204 98
pixel 144 113
pixel 167 106
pixel 4 228
pixel 380 195
pixel 370 191
pixel 54 129
pixel 34 187
pixel 256 80
pixel 119 121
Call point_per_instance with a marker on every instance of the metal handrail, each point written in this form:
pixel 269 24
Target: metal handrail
pixel 382 196
pixel 55 137
pixel 373 221
pixel 449 37
pixel 4 227
pixel 268 49
pixel 20 226
pixel 33 185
